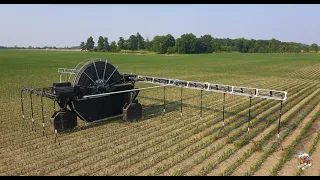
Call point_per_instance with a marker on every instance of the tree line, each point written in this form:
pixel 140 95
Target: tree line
pixel 190 44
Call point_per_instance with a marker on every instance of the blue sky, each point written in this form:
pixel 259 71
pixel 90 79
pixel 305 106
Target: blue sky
pixel 68 25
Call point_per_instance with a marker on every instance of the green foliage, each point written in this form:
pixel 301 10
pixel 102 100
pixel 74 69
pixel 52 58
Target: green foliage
pixel 121 43
pixel 148 44
pixel 101 44
pixel 90 43
pixel 132 43
pixel 113 47
pixel 106 44
pixel 190 44
pixel 204 44
pixel 133 52
pixel 171 50
pixel 82 46
pixel 314 47
pixel 186 44
pixel 140 42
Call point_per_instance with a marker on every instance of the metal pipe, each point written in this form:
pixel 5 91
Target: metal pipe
pixel 42 114
pixel 112 74
pixel 181 104
pixel 164 99
pixel 249 116
pixel 94 64
pixel 231 89
pixel 22 103
pixel 224 101
pixel 279 120
pixel 104 70
pixel 32 117
pixel 278 135
pixel 201 104
pixel 117 92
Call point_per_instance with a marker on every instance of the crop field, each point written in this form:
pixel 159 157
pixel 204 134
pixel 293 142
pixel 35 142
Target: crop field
pixel 167 143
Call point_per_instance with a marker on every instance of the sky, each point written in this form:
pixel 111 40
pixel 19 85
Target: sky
pixel 66 25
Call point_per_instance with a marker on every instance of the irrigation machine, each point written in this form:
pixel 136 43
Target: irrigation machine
pixel 95 90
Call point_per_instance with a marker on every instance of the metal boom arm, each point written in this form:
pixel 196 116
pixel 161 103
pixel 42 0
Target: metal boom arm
pixel 235 90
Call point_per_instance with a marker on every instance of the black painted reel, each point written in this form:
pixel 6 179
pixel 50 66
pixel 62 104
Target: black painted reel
pixel 92 96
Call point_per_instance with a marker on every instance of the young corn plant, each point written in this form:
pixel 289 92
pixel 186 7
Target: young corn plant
pixel 290 151
pixel 266 154
pixel 310 152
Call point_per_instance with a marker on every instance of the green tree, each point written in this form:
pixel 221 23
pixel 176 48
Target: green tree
pixel 148 44
pixel 203 44
pixel 121 43
pixel 157 43
pixel 186 44
pixel 126 44
pixel 82 46
pixel 239 45
pixel 314 47
pixel 106 44
pixel 101 45
pixel 140 42
pixel 160 44
pixel 171 50
pixel 216 45
pixel 133 43
pixel 113 46
pixel 169 41
pixel 90 43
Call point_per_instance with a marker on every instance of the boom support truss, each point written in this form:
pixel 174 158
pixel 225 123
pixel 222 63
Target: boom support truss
pixel 219 88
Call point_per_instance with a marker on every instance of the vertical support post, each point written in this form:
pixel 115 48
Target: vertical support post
pixel 249 116
pixel 201 104
pixel 60 77
pixel 42 114
pixel 22 104
pixel 224 101
pixel 164 99
pixel 22 109
pixel 56 138
pixel 278 135
pixel 32 117
pixel 181 103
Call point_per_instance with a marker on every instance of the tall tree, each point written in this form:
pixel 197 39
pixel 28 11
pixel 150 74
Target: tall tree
pixel 121 43
pixel 82 46
pixel 156 42
pixel 239 44
pixel 148 44
pixel 314 47
pixel 203 44
pixel 133 43
pixel 126 44
pixel 113 46
pixel 140 42
pixel 186 44
pixel 90 43
pixel 160 44
pixel 106 44
pixel 169 41
pixel 101 45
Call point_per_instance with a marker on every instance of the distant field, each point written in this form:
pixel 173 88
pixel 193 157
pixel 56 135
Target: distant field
pixel 168 144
